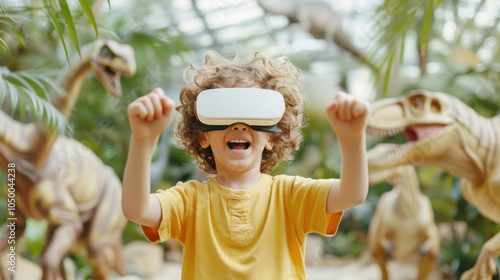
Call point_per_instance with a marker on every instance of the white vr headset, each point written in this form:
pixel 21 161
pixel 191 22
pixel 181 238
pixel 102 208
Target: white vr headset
pixel 261 109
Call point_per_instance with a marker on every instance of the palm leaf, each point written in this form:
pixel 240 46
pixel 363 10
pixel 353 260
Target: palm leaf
pixel 394 20
pixel 32 87
pixel 69 22
pixel 87 8
pixel 13 95
pixel 57 13
pixel 19 82
pixel 52 15
pixel 3 89
pixel 4 45
pixel 427 24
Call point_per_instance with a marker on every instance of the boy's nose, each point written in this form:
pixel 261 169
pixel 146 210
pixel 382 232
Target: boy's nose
pixel 239 126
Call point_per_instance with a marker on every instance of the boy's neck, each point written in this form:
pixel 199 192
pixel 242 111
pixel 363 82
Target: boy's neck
pixel 238 181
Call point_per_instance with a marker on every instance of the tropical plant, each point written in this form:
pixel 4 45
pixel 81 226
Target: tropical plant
pixel 38 43
pixel 455 54
pixel 38 38
pixel 444 35
pixel 24 24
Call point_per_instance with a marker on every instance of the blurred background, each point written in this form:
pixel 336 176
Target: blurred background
pixel 386 48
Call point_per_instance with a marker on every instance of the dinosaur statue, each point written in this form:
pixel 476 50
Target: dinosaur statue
pixel 107 60
pixel 403 223
pixel 442 131
pixel 59 180
pixel 319 19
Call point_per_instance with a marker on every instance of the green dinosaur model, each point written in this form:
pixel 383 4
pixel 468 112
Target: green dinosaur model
pixel 442 131
pixel 61 181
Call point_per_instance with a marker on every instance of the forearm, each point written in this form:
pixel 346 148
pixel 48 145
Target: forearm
pixel 353 186
pixel 136 194
pixel 354 170
pixel 347 117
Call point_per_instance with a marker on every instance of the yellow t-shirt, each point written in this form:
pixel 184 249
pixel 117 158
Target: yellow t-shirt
pixel 258 233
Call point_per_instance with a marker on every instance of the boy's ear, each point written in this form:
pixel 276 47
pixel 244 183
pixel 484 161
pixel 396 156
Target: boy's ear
pixel 203 139
pixel 269 143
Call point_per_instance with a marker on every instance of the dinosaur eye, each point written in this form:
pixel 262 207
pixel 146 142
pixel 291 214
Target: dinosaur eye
pixel 417 103
pixel 105 51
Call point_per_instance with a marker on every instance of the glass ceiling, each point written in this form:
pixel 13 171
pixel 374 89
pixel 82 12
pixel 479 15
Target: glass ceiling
pixel 214 24
pixel 220 24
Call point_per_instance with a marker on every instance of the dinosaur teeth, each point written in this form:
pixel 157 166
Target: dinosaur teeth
pixel 384 132
pixel 388 154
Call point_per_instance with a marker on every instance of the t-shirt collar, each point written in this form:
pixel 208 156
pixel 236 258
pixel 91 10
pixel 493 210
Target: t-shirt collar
pixel 239 194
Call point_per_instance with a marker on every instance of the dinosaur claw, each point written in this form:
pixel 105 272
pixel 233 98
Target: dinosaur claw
pixel 389 249
pixel 424 250
pixel 484 269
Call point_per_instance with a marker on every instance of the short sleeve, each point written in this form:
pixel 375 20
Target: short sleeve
pixel 175 203
pixel 308 206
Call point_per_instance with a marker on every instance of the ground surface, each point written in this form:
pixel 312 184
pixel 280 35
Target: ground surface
pixel 146 259
pixel 354 271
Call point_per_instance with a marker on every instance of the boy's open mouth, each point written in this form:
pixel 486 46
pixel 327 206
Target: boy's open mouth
pixel 238 145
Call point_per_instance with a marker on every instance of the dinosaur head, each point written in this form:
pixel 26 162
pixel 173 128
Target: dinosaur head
pixel 423 117
pixel 109 59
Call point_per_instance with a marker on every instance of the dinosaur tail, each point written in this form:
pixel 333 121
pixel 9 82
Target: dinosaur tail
pixel 285 8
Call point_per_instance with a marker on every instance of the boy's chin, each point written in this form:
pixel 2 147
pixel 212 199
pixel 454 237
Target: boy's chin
pixel 241 166
pixel 238 152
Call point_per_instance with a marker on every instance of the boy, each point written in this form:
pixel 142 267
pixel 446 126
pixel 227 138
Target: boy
pixel 242 223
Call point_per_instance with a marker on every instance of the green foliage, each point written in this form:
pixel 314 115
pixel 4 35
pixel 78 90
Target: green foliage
pixel 31 87
pixel 58 14
pixel 344 244
pixel 44 34
pixel 24 22
pixel 395 20
pixel 319 154
pixel 35 36
pixel 33 239
pixel 461 74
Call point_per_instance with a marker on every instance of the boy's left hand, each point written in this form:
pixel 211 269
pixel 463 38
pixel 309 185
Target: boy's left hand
pixel 348 115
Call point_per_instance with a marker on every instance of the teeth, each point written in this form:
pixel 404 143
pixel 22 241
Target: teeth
pixel 238 141
pixel 384 132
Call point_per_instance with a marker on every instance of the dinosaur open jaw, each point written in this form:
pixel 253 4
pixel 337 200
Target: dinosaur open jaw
pixel 110 77
pixel 412 133
pixel 424 143
pixel 419 132
pixel 385 153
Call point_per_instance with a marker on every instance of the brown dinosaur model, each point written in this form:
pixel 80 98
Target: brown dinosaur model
pixel 403 224
pixel 444 132
pixel 59 180
pixel 319 19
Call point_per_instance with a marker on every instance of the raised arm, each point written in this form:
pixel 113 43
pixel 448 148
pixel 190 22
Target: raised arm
pixel 148 116
pixel 347 117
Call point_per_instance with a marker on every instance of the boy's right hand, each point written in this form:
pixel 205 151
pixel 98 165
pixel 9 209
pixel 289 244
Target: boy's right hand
pixel 150 114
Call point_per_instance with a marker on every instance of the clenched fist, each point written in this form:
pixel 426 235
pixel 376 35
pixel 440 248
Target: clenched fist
pixel 348 115
pixel 150 114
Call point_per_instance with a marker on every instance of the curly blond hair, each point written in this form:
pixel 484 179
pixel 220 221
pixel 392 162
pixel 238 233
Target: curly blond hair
pixel 253 71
